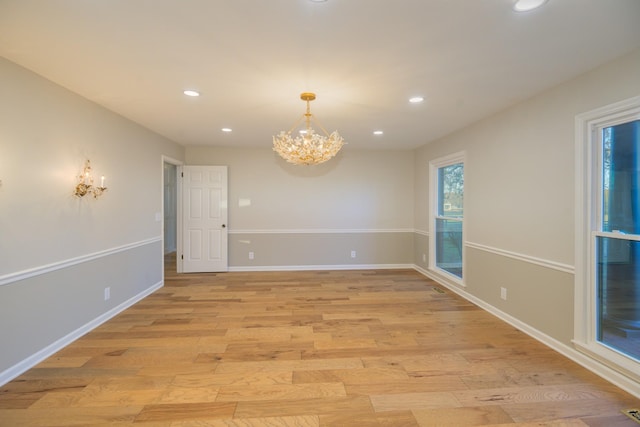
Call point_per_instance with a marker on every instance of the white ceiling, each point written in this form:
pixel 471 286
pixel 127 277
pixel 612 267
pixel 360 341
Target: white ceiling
pixel 251 59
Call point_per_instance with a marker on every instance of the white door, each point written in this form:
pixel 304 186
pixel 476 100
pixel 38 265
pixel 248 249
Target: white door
pixel 204 218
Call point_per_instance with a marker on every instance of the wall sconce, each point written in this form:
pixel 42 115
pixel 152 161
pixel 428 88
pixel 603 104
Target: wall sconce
pixel 85 184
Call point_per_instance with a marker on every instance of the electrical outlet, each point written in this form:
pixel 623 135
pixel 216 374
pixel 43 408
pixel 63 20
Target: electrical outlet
pixel 503 293
pixel 250 255
pixel 353 254
pixel 107 293
pixel 424 257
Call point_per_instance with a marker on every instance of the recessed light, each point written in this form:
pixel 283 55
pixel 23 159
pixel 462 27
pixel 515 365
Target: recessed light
pixel 191 93
pixel 318 1
pixel 378 132
pixel 226 129
pixel 527 5
pixel 416 99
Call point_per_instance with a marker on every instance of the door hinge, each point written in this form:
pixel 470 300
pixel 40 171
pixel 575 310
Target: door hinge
pixel 181 256
pixel 182 174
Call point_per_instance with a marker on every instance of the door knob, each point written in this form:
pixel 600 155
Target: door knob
pixel 223 225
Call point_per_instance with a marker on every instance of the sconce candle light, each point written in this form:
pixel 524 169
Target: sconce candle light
pixel 85 183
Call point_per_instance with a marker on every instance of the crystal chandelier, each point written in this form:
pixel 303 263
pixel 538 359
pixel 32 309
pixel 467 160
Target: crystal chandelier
pixel 308 148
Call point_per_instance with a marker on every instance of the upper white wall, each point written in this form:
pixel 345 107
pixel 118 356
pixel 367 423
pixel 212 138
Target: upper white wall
pixel 519 172
pixel 363 190
pixel 46 134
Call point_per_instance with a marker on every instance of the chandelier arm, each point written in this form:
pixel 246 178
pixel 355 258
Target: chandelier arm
pixel 296 124
pixel 320 126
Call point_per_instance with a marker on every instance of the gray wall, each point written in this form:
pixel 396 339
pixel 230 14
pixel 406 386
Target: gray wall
pixel 294 217
pixel 57 252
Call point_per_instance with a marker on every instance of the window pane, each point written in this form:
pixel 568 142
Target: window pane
pixel 451 190
pixel 618 260
pixel 618 290
pixel 449 246
pixel 621 178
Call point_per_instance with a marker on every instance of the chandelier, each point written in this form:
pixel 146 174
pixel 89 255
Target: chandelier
pixel 308 148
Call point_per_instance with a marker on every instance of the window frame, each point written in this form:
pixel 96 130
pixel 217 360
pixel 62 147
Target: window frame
pixel 434 214
pixel 588 222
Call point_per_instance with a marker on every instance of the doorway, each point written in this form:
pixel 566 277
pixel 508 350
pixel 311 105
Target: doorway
pixel 170 219
pixel 170 208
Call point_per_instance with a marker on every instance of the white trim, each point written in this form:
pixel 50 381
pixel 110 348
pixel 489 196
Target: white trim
pixel 586 219
pixel 166 159
pixel 323 231
pixel 421 232
pixel 25 274
pixel 610 357
pixel 31 361
pixel 450 159
pixel 442 276
pixel 616 235
pixel 434 166
pixel 322 267
pixel 613 376
pixel 566 268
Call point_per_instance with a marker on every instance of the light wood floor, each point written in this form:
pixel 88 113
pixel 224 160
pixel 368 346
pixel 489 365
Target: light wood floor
pixel 341 348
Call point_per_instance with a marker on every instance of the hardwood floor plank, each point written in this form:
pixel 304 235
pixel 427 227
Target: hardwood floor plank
pixel 456 417
pixel 584 409
pixel 509 377
pixel 65 362
pixel 515 395
pixel 186 411
pixel 98 398
pixel 267 334
pixel 302 421
pixel 203 369
pixel 280 392
pixel 64 373
pixel 387 419
pixel 19 400
pixel 409 401
pixel 177 394
pixel 351 376
pixel 290 365
pixel 240 378
pixel 139 357
pixel 411 385
pixel 319 406
pixel 64 417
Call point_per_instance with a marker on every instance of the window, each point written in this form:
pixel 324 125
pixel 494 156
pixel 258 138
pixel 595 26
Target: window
pixel 617 238
pixel 608 235
pixel 447 199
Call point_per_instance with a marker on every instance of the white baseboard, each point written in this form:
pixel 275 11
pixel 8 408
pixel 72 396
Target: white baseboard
pixel 614 377
pixel 321 267
pixel 324 231
pixel 31 361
